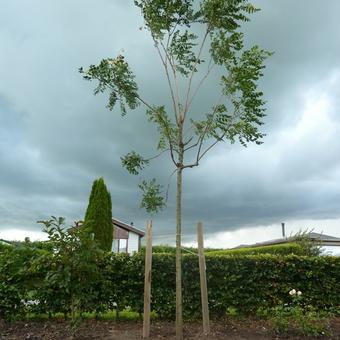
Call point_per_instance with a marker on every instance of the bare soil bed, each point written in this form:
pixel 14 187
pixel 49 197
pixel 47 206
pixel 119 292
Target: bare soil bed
pixel 130 330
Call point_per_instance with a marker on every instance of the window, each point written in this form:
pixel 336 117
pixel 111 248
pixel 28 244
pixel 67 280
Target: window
pixel 115 245
pixel 122 244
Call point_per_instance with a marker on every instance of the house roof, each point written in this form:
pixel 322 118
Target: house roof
pixel 323 237
pixel 115 222
pixel 128 227
pixel 5 242
pixel 324 240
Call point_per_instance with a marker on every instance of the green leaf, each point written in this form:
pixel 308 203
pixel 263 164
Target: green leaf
pixel 181 48
pixel 162 16
pixel 152 199
pixel 114 76
pixel 167 130
pixel 134 162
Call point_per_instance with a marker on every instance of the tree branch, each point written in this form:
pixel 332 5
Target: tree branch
pixel 199 157
pixel 210 67
pixel 220 138
pixel 166 127
pixel 145 103
pixel 201 139
pixel 193 71
pixel 160 153
pixel 173 68
pixel 212 145
pixel 164 62
pixel 192 146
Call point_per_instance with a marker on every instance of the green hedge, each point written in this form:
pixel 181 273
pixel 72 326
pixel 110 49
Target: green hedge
pixel 252 282
pixel 302 246
pixel 278 249
pixel 246 283
pixel 166 249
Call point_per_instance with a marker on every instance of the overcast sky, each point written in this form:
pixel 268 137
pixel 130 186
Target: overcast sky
pixel 56 137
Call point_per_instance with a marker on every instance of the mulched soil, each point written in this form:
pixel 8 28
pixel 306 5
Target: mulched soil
pixel 92 329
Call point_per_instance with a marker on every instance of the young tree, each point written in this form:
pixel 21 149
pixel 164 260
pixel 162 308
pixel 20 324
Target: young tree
pixel 70 272
pixel 98 217
pixel 189 58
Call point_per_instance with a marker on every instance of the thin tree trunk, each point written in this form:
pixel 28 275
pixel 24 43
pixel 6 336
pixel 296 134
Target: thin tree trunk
pixel 179 308
pixel 203 279
pixel 147 281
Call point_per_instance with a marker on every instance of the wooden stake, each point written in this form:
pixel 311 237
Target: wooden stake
pixel 203 279
pixel 147 281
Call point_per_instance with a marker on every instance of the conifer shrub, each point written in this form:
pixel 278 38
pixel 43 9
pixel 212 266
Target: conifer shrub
pixel 98 217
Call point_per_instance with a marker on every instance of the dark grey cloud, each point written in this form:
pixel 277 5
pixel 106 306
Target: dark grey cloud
pixel 56 137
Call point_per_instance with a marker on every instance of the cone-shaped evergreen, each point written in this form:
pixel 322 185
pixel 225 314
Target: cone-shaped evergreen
pixel 98 217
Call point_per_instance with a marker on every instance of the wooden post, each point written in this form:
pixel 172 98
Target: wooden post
pixel 203 279
pixel 147 281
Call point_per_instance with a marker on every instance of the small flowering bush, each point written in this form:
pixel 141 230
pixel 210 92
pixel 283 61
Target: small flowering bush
pixel 299 317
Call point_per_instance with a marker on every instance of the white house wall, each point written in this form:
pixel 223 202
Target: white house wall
pixel 133 243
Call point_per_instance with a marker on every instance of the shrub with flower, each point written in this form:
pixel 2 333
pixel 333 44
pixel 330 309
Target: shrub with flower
pixel 293 292
pixel 299 318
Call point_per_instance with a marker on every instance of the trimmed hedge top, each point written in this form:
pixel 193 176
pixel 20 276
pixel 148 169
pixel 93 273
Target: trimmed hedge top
pixel 307 248
pixel 279 249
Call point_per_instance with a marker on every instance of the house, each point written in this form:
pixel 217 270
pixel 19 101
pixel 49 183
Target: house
pixel 126 237
pixel 5 243
pixel 322 239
